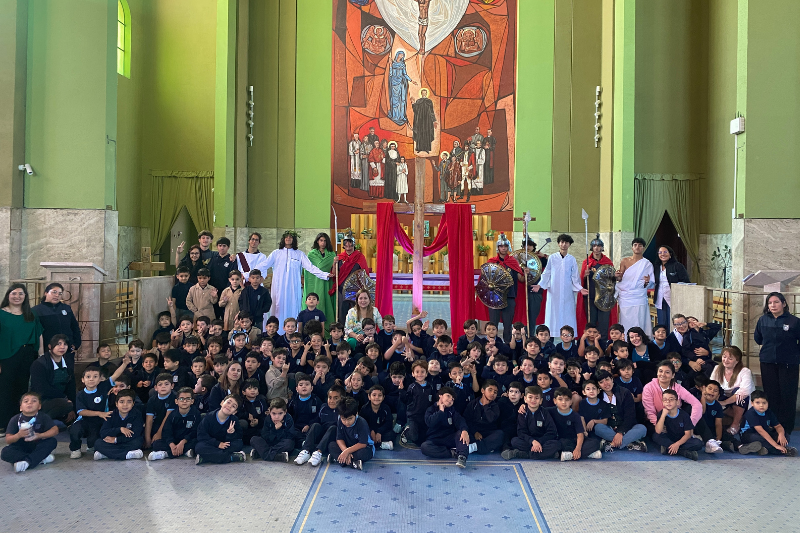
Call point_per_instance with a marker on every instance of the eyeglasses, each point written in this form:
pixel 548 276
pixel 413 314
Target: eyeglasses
pixel 295 342
pixel 184 399
pixel 567 335
pixel 679 324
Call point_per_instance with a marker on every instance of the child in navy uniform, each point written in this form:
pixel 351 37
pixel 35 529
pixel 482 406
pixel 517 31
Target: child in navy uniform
pixel 568 348
pixel 435 376
pixel 470 335
pixel 353 445
pixel 674 429
pixel 497 370
pixel 179 436
pixel 761 431
pixel 592 409
pixel 311 312
pixel 483 419
pixel 379 418
pixel 537 436
pixel 304 408
pixel 219 437
pixel 355 389
pixel 323 379
pixel 145 378
pixel 158 407
pixel 202 391
pixel 254 411
pixel 447 430
pixel 385 337
pixel 712 433
pixel 91 405
pixel 30 435
pixel 547 346
pixel 570 428
pixel 275 441
pixel 417 397
pixel 121 435
pixel 509 407
pixel 462 393
pixel 179 373
pixel 544 380
pixel 344 365
pixel 321 433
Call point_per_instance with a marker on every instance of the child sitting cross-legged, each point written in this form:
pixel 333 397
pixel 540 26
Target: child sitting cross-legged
pixel 537 436
pixel 219 437
pixel 275 441
pixel 121 436
pixel 30 436
pixel 379 418
pixel 447 430
pixel 761 431
pixel 571 432
pixel 179 436
pixel 674 429
pixel 321 433
pixel 483 419
pixel 353 445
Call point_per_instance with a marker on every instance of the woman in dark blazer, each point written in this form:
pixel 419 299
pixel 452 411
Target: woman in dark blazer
pixel 57 317
pixel 778 333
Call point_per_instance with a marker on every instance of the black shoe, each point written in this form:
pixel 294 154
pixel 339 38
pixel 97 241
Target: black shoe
pixel 357 464
pixel 638 446
pixel 282 457
pixel 664 450
pixel 750 447
pixel 238 457
pixel 728 446
pixel 453 453
pixel 791 452
pixel 690 455
pixel 514 454
pixel 462 461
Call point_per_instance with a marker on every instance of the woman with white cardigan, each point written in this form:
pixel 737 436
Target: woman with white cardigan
pixel 736 382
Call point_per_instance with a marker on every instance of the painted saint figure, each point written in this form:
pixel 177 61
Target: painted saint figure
pixel 424 122
pixel 480 163
pixel 442 168
pixel 366 146
pixel 390 180
pixel 375 175
pixel 423 24
pixel 489 143
pixel 354 152
pixel 398 89
pixel 402 180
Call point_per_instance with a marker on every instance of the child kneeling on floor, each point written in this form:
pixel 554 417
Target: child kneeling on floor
pixel 276 439
pixel 122 434
pixel 353 445
pixel 30 435
pixel 761 431
pixel 219 437
pixel 674 429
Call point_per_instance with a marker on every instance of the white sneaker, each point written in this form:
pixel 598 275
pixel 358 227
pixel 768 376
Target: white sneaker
pixel 189 454
pixel 316 458
pixel 387 445
pixel 157 456
pixel 566 456
pixel 596 455
pixel 135 454
pixel 397 428
pixel 75 454
pixel 303 458
pixel 98 456
pixel 473 447
pixel 713 446
pixel 49 459
pixel 21 466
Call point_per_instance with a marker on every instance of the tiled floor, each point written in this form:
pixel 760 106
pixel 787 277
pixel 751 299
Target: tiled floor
pixel 626 491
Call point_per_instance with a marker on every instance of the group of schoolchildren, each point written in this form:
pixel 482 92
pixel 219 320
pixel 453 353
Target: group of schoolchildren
pixel 206 391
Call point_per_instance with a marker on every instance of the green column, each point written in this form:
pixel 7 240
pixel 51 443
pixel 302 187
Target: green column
pixel 624 99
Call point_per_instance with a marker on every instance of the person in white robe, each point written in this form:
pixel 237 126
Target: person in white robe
pixel 635 276
pixel 287 264
pixel 561 279
pixel 252 258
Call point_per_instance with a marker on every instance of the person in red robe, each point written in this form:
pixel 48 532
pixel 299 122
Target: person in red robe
pixel 348 262
pixel 512 312
pixel 602 319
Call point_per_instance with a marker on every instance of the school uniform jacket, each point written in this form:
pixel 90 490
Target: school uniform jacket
pixel 271 435
pixel 112 426
pixel 58 318
pixel 305 412
pixel 482 419
pixel 623 415
pixel 417 399
pixel 211 431
pixel 536 426
pixel 442 424
pixel 43 373
pixel 380 422
pixel 464 395
pixel 179 427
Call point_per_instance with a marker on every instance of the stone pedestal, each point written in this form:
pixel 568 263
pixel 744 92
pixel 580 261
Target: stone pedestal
pixel 83 291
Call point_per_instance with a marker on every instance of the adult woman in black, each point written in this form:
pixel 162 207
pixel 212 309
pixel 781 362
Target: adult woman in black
pixel 20 335
pixel 778 333
pixel 667 272
pixel 57 317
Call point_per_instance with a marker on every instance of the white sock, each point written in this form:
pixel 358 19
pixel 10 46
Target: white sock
pixel 473 447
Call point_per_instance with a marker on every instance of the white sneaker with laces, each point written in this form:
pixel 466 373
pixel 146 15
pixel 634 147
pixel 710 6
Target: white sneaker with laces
pixel 98 456
pixel 75 454
pixel 134 454
pixel 302 458
pixel 21 466
pixel 387 445
pixel 566 456
pixel 596 455
pixel 316 458
pixel 713 446
pixel 157 456
pixel 49 459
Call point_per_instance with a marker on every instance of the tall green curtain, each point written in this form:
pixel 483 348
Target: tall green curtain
pixel 171 190
pixel 679 196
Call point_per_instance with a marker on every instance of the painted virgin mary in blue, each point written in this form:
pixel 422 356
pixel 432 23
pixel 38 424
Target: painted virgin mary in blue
pixel 398 89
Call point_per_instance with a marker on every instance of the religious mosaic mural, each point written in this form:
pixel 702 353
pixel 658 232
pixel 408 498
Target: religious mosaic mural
pixel 424 95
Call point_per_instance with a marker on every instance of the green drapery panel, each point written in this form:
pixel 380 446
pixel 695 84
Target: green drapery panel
pixel 679 196
pixel 171 190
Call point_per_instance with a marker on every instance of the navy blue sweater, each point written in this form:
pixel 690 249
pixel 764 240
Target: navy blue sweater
pixel 305 411
pixel 179 427
pixel 482 419
pixel 442 424
pixel 380 422
pixel 271 435
pixel 214 432
pixel 134 422
pixel 417 399
pixel 536 426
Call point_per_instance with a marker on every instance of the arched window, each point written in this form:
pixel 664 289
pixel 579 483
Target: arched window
pixel 123 39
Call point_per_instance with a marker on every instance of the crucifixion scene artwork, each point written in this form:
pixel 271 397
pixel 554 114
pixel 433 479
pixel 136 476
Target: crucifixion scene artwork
pixel 424 96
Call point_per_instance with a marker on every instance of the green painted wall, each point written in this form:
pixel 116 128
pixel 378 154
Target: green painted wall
pixel 671 86
pixel 534 144
pixel 313 118
pixel 718 182
pixel 773 108
pixel 271 178
pixel 225 107
pixel 624 113
pixel 71 103
pixel 13 52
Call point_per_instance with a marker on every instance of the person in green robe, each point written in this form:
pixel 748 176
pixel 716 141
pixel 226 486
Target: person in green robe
pixel 322 257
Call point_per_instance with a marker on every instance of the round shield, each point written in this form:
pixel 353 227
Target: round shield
pixel 604 282
pixel 532 262
pixel 355 282
pixel 493 285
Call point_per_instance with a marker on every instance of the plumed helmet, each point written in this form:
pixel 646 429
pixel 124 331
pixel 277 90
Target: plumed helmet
pixel 348 236
pixel 502 240
pixel 596 241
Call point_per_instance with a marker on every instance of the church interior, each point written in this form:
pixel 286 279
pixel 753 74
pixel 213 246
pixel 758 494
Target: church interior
pixel 127 127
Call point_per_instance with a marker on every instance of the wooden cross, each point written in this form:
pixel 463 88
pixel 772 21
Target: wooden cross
pixel 419 208
pixel 146 265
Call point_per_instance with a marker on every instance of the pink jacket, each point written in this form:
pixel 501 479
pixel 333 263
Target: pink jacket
pixel 651 399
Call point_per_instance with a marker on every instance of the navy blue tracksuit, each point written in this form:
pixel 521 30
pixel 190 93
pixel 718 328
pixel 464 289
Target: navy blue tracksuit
pixel 177 428
pixel 484 420
pixel 444 433
pixel 212 432
pixel 536 426
pixel 273 441
pixel 112 428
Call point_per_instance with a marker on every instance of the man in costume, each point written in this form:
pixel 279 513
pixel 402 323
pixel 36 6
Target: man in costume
pixel 635 276
pixel 505 316
pixel 287 264
pixel 252 258
pixel 603 319
pixel 561 280
pixel 348 262
pixel 424 121
pixel 535 294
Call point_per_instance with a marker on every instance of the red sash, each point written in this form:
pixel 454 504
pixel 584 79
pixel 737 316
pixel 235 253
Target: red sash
pixel 243 262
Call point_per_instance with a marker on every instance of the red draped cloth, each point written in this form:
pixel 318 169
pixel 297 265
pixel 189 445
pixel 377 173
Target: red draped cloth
pixel 455 232
pixel 580 312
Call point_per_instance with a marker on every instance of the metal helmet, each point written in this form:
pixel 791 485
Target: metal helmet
pixel 597 242
pixel 502 240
